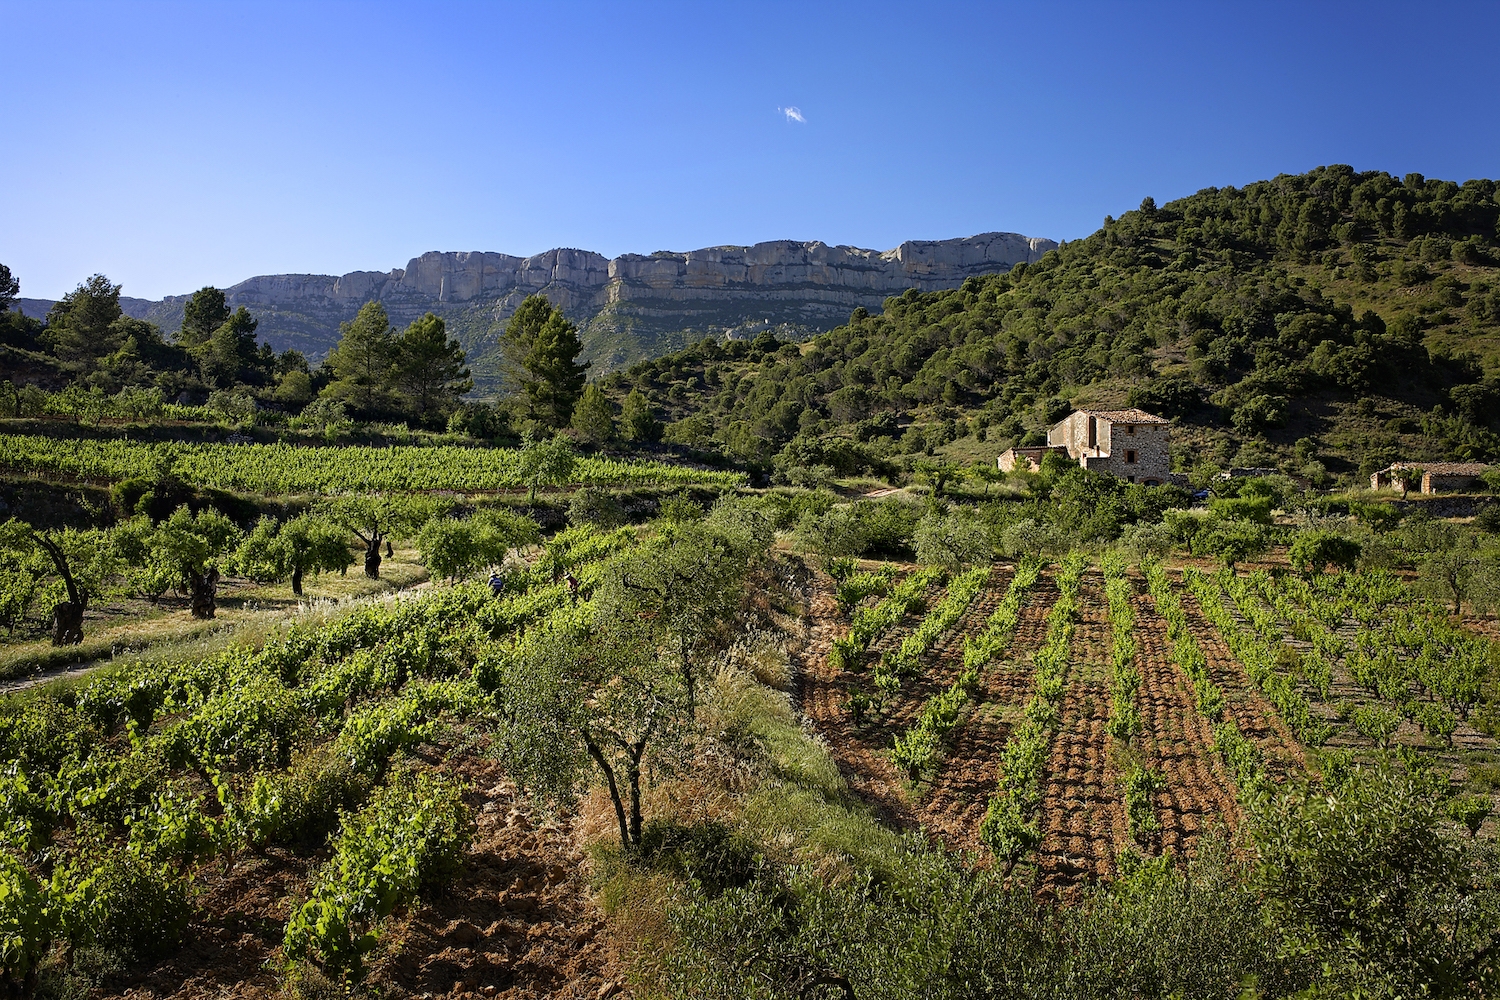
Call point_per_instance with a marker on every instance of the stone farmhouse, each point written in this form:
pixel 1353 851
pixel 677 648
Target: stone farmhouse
pixel 1131 444
pixel 1437 477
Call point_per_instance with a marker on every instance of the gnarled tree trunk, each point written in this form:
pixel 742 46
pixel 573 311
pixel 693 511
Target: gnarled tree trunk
pixel 297 581
pixel 204 593
pixel 67 623
pixel 372 557
pixel 67 617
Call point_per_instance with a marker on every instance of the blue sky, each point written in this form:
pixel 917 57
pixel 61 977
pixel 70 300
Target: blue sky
pixel 175 145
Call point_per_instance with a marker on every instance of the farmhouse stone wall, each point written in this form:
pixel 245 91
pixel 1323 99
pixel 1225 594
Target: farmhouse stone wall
pixel 1135 452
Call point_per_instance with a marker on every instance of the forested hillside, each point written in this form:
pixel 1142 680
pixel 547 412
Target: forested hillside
pixel 1326 323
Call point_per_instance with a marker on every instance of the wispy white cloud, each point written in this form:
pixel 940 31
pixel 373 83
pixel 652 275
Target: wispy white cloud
pixel 793 114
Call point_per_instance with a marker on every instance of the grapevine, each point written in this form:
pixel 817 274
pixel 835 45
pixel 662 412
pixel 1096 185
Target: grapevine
pixel 1009 828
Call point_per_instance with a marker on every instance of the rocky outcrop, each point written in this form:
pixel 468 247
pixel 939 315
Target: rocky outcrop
pixel 590 280
pixel 630 307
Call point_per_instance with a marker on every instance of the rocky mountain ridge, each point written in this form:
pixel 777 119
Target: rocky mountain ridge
pixel 629 307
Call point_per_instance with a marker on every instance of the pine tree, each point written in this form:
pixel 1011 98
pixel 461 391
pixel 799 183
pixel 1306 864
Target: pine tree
pixel 639 419
pixel 362 361
pixel 204 313
pixel 230 353
pixel 594 416
pixel 429 369
pixel 541 348
pixel 80 327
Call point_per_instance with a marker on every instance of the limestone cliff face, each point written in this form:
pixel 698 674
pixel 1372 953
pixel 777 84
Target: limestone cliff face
pixel 630 307
pixel 590 280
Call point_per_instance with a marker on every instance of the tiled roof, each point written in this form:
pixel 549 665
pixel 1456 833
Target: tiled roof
pixel 1441 468
pixel 1130 416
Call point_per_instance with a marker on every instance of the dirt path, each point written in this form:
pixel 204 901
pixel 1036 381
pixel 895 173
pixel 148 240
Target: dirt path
pixel 207 630
pixel 1176 739
pixel 67 672
pixel 1082 818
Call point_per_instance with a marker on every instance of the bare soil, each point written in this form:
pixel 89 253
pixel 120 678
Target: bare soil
pixel 822 692
pixel 1082 817
pixel 955 804
pixel 519 922
pixel 1177 740
pixel 1256 718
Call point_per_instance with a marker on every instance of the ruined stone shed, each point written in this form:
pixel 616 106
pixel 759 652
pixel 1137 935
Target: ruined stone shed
pixel 1131 443
pixel 1027 457
pixel 1437 477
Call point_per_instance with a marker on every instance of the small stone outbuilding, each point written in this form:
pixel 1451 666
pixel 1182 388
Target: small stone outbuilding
pixel 1437 477
pixel 1131 444
pixel 1027 457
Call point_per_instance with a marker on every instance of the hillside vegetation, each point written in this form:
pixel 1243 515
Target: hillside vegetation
pixel 1327 323
pixel 637 727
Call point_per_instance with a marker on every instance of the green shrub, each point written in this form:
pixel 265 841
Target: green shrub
pixel 304 803
pixel 955 539
pixel 864 528
pixel 711 854
pixel 594 506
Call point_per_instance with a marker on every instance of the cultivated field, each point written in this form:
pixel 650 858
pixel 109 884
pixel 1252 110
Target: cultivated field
pixel 1155 701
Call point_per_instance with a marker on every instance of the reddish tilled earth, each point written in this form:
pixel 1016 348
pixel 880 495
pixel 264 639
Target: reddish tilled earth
pixel 1256 718
pixel 955 804
pixel 822 692
pixel 519 922
pixel 1177 740
pixel 1082 818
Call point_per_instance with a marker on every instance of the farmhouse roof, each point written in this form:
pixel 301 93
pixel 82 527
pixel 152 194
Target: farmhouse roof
pixel 1441 468
pixel 1130 416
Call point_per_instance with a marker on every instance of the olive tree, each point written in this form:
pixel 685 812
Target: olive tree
pixel 546 463
pixel 1359 877
pixel 1451 573
pixel 1408 478
pixel 586 693
pixel 454 548
pixel 1232 540
pixel 376 518
pixel 688 584
pixel 957 538
pixel 287 550
pixel 1312 551
pixel 67 616
pixel 80 561
pixel 185 551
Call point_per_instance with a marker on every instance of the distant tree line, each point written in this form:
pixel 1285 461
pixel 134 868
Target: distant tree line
pixel 89 347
